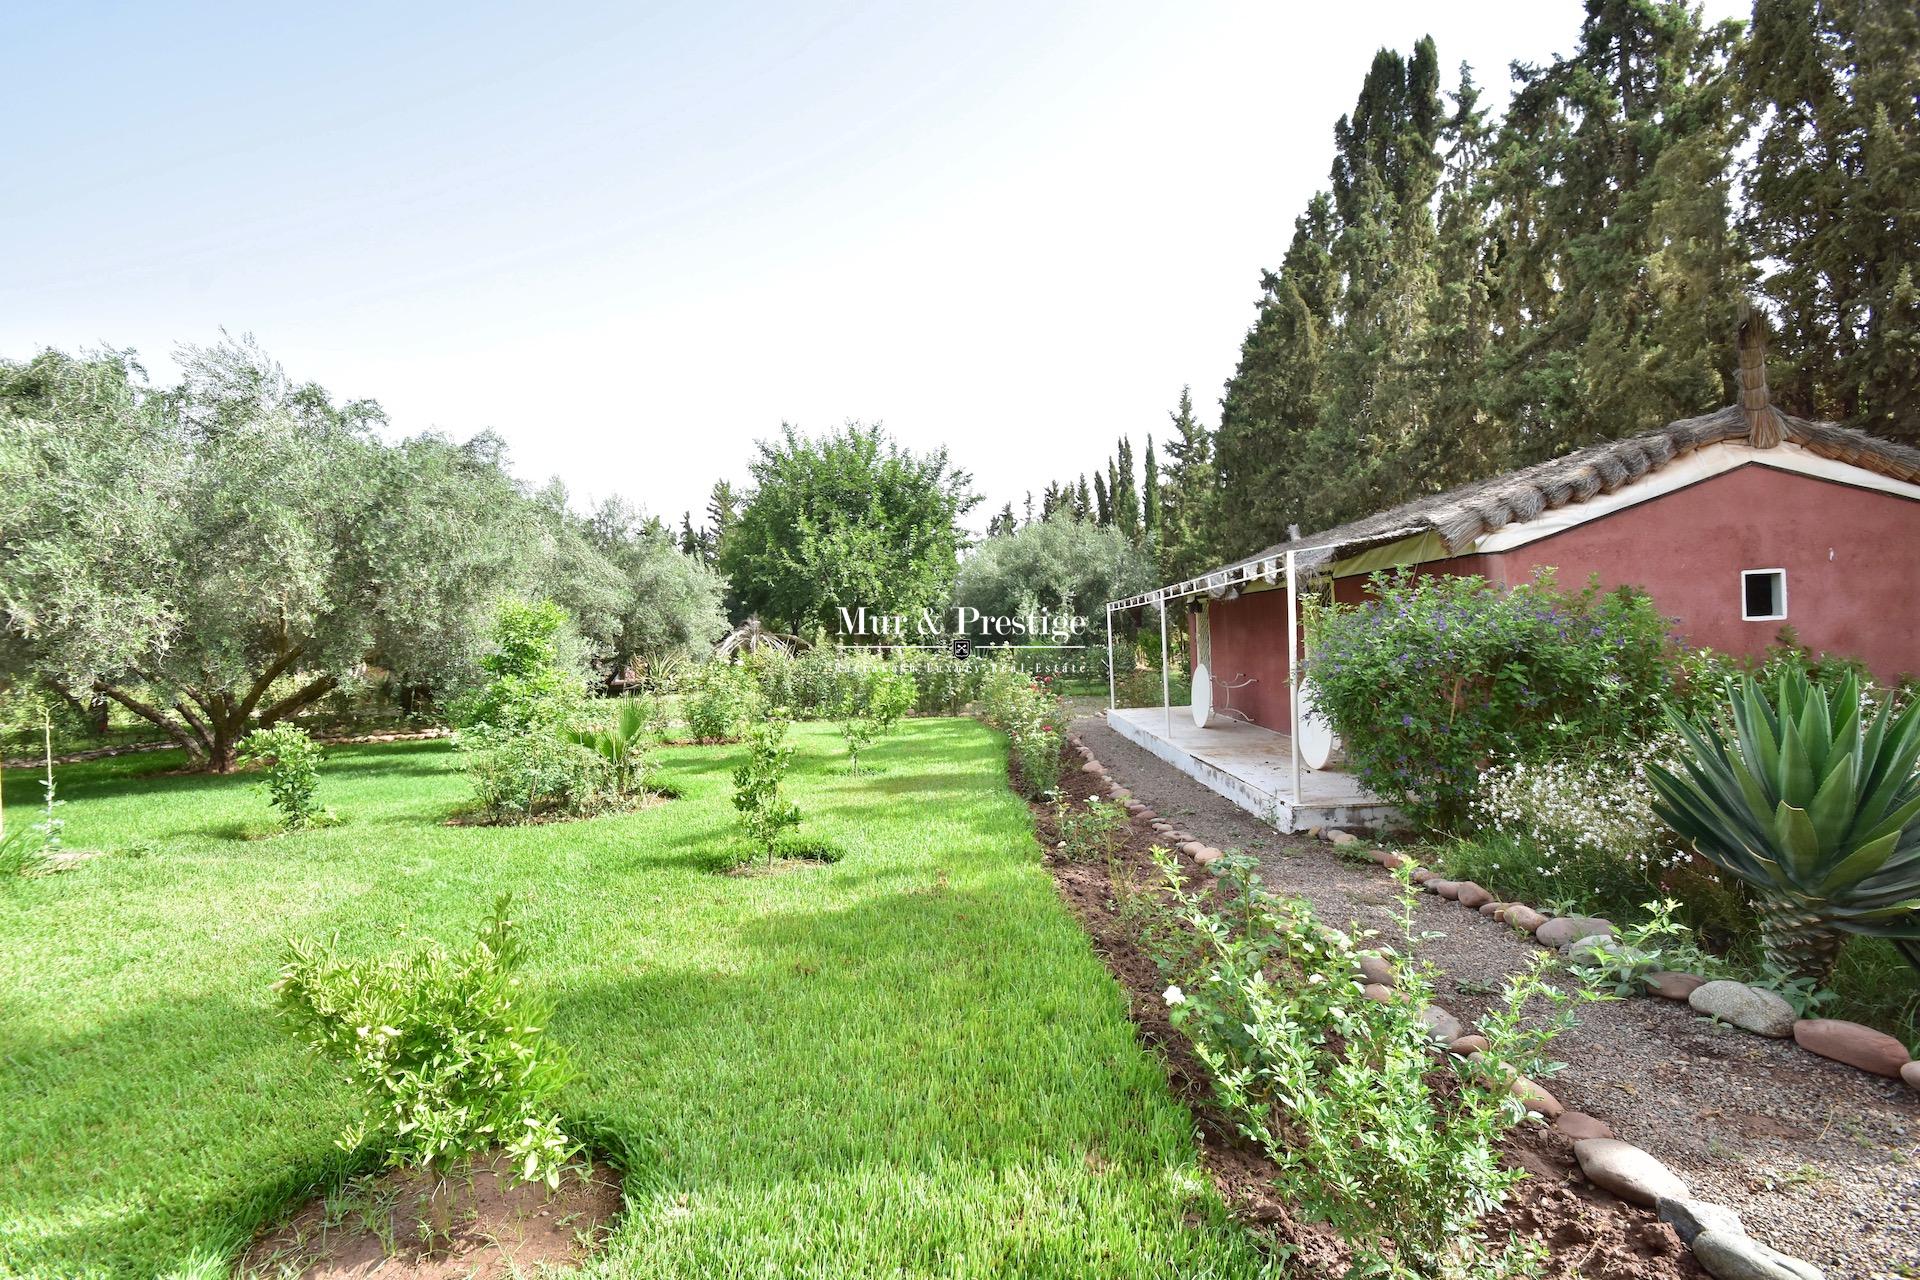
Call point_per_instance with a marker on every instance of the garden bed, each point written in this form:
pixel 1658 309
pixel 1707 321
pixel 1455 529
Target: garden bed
pixel 501 1227
pixel 1821 1160
pixel 1589 1234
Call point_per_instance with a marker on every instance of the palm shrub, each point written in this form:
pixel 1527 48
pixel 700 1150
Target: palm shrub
pixel 448 1052
pixel 291 760
pixel 1811 805
pixel 623 745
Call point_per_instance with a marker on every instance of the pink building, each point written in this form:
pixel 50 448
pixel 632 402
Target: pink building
pixel 1737 523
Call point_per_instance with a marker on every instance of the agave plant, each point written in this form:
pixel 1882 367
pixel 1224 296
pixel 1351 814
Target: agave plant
pixel 1813 808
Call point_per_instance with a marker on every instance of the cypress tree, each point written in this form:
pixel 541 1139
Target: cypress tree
pixel 1150 497
pixel 1830 209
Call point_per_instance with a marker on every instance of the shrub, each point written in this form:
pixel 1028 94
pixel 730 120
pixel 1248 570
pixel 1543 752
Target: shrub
pixel 1813 808
pixel 1344 1095
pixel 890 695
pixel 292 771
pixel 720 701
pixel 1091 831
pixel 764 810
pixel 624 746
pixel 448 1052
pixel 945 685
pixel 529 686
pixel 1440 676
pixel 860 733
pixel 518 777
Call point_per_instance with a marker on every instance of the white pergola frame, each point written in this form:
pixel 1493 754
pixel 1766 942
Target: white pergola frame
pixel 1266 569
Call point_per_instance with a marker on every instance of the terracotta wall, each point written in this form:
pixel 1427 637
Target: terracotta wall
pixel 1852 558
pixel 1250 639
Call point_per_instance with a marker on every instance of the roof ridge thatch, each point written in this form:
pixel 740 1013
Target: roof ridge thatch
pixel 1460 515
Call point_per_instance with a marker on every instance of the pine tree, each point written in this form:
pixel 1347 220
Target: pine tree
pixel 723 510
pixel 1083 500
pixel 1102 500
pixel 1272 402
pixel 1003 524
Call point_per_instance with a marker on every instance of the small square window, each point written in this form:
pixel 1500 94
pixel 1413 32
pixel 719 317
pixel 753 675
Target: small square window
pixel 1763 595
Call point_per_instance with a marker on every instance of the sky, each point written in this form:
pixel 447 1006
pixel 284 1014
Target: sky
pixel 633 239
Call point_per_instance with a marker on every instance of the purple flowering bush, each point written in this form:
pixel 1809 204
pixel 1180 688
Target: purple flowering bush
pixel 1440 678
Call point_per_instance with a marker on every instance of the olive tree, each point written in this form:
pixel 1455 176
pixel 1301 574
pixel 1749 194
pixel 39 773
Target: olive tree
pixel 219 556
pixel 1060 564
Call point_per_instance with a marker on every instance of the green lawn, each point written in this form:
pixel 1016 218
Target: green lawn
pixel 909 1063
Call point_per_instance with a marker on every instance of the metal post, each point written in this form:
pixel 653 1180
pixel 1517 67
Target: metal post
pixel 1293 677
pixel 1166 681
pixel 1113 697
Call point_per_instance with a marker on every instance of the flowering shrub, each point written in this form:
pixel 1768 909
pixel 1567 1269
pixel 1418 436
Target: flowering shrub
pixel 1582 807
pixel 1343 1094
pixel 1091 831
pixel 1442 676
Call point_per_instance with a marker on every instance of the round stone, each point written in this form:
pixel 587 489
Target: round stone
pixel 1534 1098
pixel 1673 986
pixel 1730 1255
pixel 1558 932
pixel 1441 1025
pixel 1627 1171
pixel 1911 1074
pixel 1748 1008
pixel 1853 1044
pixel 1523 917
pixel 1472 895
pixel 1580 1126
pixel 1376 969
pixel 1377 993
pixel 1468 1044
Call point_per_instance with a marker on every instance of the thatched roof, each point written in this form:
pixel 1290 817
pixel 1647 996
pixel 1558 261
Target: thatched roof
pixel 1461 515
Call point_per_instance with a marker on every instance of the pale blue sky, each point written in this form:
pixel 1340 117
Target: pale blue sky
pixel 633 238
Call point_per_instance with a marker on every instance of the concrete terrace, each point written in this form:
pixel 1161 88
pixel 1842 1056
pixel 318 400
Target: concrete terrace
pixel 1251 766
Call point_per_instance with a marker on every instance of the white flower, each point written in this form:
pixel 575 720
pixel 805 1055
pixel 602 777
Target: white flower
pixel 1174 995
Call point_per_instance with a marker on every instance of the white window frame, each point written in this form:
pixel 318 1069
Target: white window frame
pixel 1763 617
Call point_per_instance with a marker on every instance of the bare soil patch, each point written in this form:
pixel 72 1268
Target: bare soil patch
pixel 1591 1235
pixel 501 1228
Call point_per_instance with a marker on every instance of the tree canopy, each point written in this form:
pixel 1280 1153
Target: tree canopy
pixel 221 555
pixel 844 520
pixel 1062 564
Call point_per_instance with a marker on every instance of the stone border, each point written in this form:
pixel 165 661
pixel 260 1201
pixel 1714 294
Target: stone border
pixel 1714 1232
pixel 136 748
pixel 1751 1009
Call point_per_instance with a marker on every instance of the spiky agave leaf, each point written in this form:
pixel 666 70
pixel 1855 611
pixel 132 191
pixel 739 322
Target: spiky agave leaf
pixel 1813 807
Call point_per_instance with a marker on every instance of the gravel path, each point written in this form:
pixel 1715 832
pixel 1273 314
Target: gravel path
pixel 1822 1161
